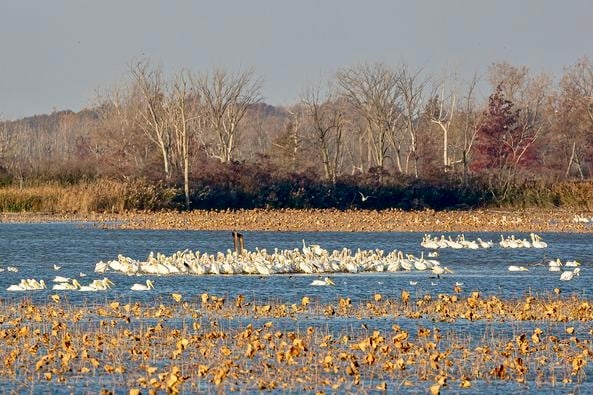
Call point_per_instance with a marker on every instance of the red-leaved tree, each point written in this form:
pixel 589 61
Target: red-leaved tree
pixel 504 145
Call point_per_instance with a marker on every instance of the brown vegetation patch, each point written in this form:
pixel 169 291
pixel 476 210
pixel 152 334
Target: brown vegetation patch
pixel 207 341
pixel 332 220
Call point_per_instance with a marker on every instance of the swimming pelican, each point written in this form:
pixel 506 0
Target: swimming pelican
pixel 61 279
pixel 66 286
pixel 306 250
pixel 101 267
pixel 37 284
pixel 103 284
pixel 86 288
pixel 413 282
pixel 56 267
pixel 568 275
pixel 485 244
pixel 572 264
pixel 438 270
pixel 27 285
pixel 141 287
pixel 536 241
pixel 325 281
pixel 514 268
pixel 22 286
pixel 555 265
pixel 96 285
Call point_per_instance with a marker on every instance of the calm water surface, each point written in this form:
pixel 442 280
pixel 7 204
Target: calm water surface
pixel 35 248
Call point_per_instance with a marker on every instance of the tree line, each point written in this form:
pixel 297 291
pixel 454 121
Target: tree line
pixel 406 138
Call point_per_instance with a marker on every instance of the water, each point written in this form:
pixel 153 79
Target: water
pixel 35 248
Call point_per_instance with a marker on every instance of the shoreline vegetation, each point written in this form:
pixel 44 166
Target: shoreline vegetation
pixel 329 220
pixel 142 205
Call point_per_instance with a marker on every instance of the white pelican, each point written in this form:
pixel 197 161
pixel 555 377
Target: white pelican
pixel 103 284
pixel 555 263
pixel 85 288
pixel 27 285
pixel 427 242
pixel 568 275
pixel 34 284
pixel 101 267
pixel 514 268
pixel 572 264
pixel 18 287
pixel 306 250
pixel 96 285
pixel 438 270
pixel 61 279
pixel 536 241
pixel 56 267
pixel 66 286
pixel 141 287
pixel 413 282
pixel 325 281
pixel 485 244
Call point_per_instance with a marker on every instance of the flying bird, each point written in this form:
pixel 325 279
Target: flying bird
pixel 363 197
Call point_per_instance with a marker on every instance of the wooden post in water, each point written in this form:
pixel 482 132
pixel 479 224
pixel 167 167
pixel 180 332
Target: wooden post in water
pixel 239 243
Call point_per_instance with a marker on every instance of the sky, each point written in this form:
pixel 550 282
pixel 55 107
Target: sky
pixel 56 55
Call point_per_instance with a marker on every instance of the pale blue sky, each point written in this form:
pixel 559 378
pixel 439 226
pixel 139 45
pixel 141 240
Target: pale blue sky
pixel 56 54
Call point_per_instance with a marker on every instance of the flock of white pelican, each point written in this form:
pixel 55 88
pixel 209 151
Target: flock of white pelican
pixel 72 284
pixel 310 259
pixel 28 284
pixel 555 265
pixel 62 284
pixel 461 242
pixel 505 242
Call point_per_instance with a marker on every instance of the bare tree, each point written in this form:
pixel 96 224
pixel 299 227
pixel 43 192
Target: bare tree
pixel 511 79
pixel 371 89
pixel 326 125
pixel 117 142
pixel 226 97
pixel 470 126
pixel 411 89
pixel 184 116
pixel 447 106
pixel 573 112
pixel 7 142
pixel 152 113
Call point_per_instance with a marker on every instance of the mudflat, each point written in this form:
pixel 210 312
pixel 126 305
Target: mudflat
pixel 495 220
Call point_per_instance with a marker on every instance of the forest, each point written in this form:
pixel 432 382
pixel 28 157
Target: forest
pixel 373 136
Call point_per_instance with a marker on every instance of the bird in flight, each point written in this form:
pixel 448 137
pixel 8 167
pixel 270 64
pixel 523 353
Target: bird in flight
pixel 363 197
